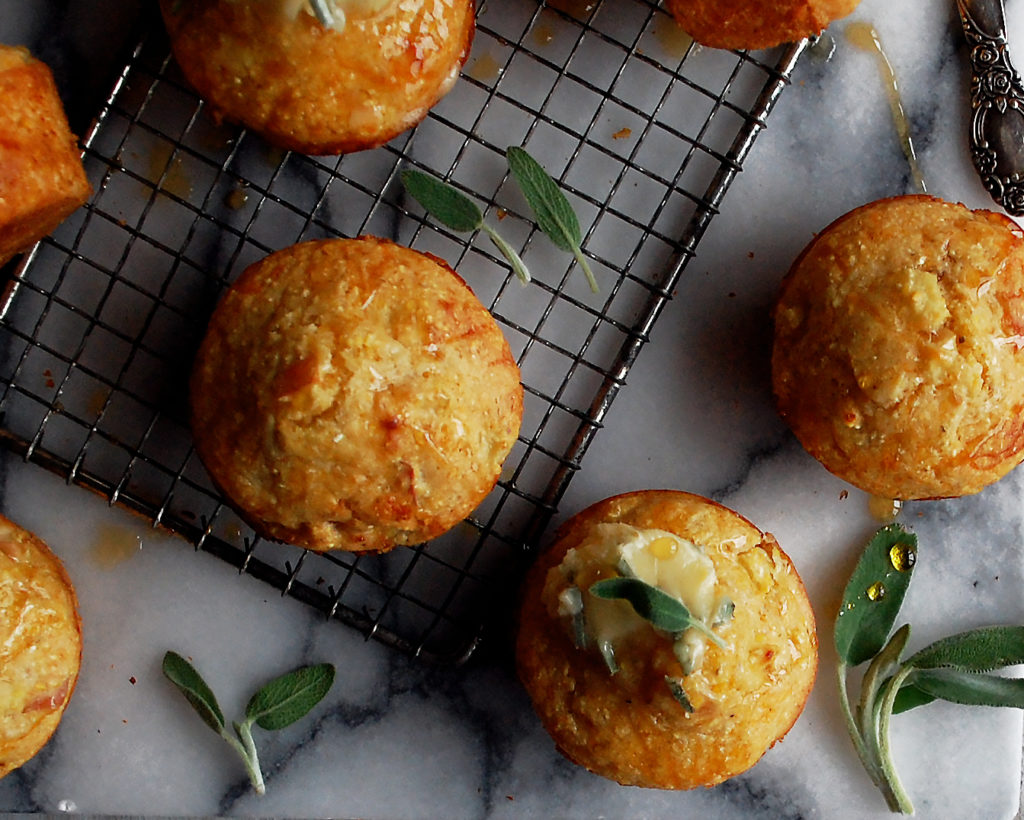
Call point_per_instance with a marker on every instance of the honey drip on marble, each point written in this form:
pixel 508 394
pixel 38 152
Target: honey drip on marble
pixel 176 180
pixel 484 69
pixel 883 508
pixel 864 37
pixel 670 36
pixel 580 9
pixel 114 545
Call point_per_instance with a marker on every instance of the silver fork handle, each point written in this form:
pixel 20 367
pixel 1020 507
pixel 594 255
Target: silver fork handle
pixel 997 104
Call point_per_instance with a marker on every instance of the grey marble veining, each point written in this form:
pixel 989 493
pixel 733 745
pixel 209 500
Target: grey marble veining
pixel 396 738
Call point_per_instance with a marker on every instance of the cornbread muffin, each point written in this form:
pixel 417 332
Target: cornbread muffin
pixel 897 354
pixel 747 24
pixel 648 707
pixel 40 644
pixel 354 394
pixel 41 175
pixel 270 65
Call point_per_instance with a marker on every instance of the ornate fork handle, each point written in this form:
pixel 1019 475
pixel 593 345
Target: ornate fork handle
pixel 997 104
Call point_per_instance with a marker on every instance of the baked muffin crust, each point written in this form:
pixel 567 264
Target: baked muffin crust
pixel 40 644
pixel 897 354
pixel 628 726
pixel 354 394
pixel 317 90
pixel 41 175
pixel 751 24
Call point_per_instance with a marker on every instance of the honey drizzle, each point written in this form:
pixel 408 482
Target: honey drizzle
pixel 864 37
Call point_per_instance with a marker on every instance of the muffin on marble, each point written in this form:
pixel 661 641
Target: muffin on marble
pixel 40 644
pixel 41 175
pixel 666 707
pixel 751 24
pixel 353 394
pixel 897 356
pixel 270 65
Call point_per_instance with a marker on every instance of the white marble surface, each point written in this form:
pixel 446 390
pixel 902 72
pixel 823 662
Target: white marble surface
pixel 399 739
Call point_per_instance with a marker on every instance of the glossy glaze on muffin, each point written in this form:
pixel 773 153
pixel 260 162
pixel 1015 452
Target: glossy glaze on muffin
pixel 898 356
pixel 629 724
pixel 318 90
pixel 745 24
pixel 40 644
pixel 41 175
pixel 354 394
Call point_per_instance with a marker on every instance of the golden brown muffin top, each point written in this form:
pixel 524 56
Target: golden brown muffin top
pixel 354 394
pixel 754 24
pixel 628 726
pixel 897 356
pixel 317 90
pixel 41 175
pixel 40 644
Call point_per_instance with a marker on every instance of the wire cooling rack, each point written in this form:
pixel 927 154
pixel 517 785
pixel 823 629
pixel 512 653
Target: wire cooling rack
pixel 643 129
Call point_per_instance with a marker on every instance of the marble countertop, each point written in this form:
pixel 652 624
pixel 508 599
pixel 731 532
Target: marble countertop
pixel 399 738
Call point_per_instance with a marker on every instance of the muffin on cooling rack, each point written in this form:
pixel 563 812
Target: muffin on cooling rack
pixel 897 356
pixel 354 394
pixel 272 66
pixel 665 701
pixel 40 644
pixel 41 175
pixel 743 24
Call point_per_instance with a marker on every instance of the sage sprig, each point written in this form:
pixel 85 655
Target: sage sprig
pixel 554 213
pixel 654 605
pixel 953 669
pixel 275 705
pixel 452 208
pixel 661 611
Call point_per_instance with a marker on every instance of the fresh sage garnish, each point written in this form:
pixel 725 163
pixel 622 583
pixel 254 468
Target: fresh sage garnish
pixel 675 686
pixel 275 705
pixel 654 605
pixel 953 669
pixel 555 216
pixel 452 208
pixel 661 611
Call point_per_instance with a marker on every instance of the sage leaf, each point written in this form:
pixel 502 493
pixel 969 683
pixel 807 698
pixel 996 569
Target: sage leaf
pixel 276 705
pixel 910 697
pixel 196 691
pixel 882 667
pixel 654 605
pixel 675 686
pixel 863 624
pixel 452 208
pixel 977 650
pixel 286 699
pixel 446 204
pixel 554 214
pixel 969 688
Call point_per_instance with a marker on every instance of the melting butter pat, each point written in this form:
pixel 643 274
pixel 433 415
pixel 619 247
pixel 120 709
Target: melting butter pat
pixel 674 565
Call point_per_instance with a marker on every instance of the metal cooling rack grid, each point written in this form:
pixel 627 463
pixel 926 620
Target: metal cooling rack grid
pixel 100 322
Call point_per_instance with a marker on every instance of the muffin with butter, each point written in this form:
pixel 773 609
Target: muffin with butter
pixel 898 355
pixel 373 72
pixel 353 394
pixel 665 641
pixel 40 644
pixel 752 24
